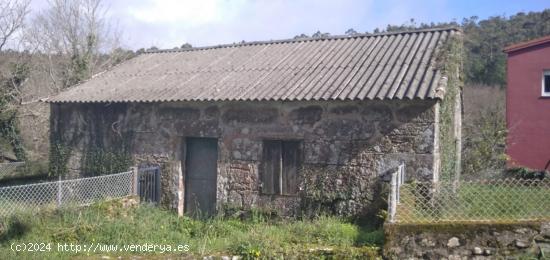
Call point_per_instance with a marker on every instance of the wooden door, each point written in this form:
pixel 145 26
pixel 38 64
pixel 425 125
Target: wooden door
pixel 201 166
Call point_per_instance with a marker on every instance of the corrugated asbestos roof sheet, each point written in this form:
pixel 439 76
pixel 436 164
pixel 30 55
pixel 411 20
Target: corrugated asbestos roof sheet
pixel 380 66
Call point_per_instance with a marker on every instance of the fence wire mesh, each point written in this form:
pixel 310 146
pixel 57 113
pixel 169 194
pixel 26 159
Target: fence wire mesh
pixel 473 201
pixel 9 168
pixel 75 192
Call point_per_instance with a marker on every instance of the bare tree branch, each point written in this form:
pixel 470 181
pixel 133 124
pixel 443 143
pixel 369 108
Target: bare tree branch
pixel 12 18
pixel 76 35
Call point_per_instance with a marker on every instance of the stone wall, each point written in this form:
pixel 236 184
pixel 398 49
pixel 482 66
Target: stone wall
pixel 468 241
pixel 347 146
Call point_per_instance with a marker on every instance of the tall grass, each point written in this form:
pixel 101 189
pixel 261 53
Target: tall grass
pixel 112 223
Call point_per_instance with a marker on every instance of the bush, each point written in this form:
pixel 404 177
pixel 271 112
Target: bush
pixel 248 250
pixel 484 125
pixel 526 173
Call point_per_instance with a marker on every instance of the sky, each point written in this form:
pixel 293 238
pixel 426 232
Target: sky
pixel 170 23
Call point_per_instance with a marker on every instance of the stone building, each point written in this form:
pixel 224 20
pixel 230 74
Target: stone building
pixel 292 126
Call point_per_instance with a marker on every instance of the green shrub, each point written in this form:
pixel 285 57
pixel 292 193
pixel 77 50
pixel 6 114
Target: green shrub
pixel 484 138
pixel 371 238
pixel 99 161
pixel 248 250
pixel 526 173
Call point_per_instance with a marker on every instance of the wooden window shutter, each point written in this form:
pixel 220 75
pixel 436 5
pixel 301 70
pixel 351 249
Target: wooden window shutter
pixel 291 165
pixel 270 175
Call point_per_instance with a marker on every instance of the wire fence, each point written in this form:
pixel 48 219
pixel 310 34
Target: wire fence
pixel 492 200
pixel 75 192
pixel 397 179
pixel 10 168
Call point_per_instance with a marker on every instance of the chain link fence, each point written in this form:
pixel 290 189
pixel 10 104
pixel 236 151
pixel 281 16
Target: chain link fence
pixel 492 200
pixel 31 197
pixel 7 169
pixel 397 179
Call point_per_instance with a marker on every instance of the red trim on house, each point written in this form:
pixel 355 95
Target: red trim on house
pixel 527 44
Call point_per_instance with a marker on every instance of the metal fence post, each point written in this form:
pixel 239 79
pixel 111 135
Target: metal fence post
pixel 393 197
pixel 400 181
pixel 135 179
pixel 397 179
pixel 397 184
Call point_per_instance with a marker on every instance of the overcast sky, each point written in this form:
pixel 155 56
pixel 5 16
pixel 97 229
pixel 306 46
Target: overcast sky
pixel 170 23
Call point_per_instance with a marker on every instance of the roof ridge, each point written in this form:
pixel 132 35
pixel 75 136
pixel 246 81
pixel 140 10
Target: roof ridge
pixel 309 39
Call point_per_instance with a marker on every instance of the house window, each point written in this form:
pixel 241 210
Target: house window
pixel 281 161
pixel 546 83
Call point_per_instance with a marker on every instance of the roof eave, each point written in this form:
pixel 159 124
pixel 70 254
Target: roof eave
pixel 526 44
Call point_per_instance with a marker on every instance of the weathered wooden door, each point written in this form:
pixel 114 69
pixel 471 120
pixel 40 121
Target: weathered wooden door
pixel 201 164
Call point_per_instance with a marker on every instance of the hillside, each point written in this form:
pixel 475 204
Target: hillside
pixel 484 40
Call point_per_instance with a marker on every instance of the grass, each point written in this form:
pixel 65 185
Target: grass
pixel 112 223
pixel 476 202
pixel 505 202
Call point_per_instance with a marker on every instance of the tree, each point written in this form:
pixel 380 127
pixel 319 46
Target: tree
pixel 13 66
pixel 319 34
pixel 13 77
pixel 186 46
pixel 75 38
pixel 485 131
pixel 301 36
pixel 351 32
pixel 12 19
pixel 66 42
pixel 13 72
pixel 484 41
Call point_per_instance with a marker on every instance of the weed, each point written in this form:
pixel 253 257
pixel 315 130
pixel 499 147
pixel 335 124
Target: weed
pixel 114 223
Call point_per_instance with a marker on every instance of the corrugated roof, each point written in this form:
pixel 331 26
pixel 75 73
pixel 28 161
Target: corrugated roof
pixel 380 66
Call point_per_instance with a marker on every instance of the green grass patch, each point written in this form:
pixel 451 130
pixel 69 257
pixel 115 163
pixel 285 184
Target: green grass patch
pixel 111 223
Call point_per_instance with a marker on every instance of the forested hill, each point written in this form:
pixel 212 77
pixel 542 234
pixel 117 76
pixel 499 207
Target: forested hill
pixel 484 40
